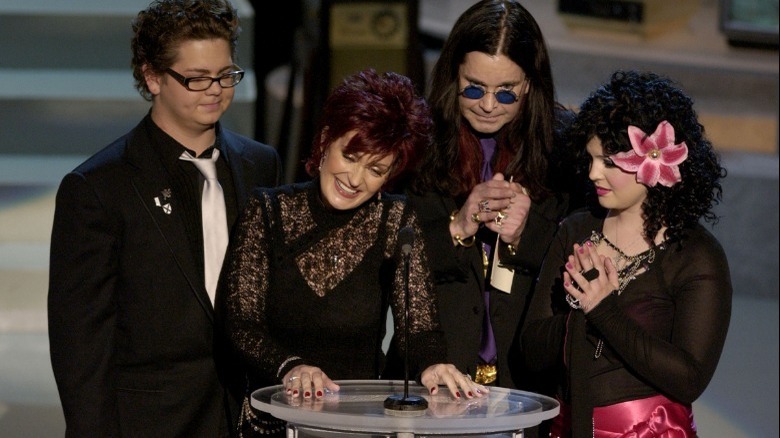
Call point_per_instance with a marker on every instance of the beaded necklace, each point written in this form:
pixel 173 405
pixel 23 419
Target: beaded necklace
pixel 632 265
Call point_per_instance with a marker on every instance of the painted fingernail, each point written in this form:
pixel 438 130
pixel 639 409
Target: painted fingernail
pixel 319 393
pixel 457 394
pixel 589 243
pixel 581 249
pixel 433 388
pixel 295 393
pixel 567 284
pixel 471 394
pixel 306 394
pixel 569 266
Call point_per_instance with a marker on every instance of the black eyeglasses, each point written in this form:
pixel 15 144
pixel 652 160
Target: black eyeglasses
pixel 200 83
pixel 476 92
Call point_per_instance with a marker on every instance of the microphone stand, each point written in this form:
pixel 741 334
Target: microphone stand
pixel 406 326
pixel 410 406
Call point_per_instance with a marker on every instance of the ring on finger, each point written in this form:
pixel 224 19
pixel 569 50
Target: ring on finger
pixel 475 218
pixel 591 274
pixel 484 207
pixel 292 379
pixel 500 218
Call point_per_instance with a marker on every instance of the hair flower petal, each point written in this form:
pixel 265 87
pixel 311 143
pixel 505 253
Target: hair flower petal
pixel 655 158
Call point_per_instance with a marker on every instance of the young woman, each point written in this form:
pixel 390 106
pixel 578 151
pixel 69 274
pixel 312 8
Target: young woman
pixel 634 299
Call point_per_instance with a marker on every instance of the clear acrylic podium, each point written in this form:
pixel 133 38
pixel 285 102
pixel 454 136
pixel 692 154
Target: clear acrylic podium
pixel 357 410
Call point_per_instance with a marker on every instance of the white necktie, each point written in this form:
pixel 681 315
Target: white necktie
pixel 215 232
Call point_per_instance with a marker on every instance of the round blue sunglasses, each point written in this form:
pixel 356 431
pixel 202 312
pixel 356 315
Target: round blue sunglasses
pixel 476 92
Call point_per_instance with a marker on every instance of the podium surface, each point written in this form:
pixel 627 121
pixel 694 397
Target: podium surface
pixel 358 410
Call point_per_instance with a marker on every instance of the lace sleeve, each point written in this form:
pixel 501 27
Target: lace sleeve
pixel 425 337
pixel 246 287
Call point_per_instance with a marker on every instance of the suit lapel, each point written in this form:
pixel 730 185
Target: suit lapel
pixel 152 184
pixel 240 168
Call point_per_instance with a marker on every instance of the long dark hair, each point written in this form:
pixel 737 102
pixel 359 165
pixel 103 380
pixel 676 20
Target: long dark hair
pixel 452 166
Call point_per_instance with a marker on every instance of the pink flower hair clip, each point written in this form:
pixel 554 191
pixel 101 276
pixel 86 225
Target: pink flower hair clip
pixel 655 158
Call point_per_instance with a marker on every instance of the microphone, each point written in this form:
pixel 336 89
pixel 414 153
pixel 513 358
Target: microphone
pixel 406 240
pixel 406 405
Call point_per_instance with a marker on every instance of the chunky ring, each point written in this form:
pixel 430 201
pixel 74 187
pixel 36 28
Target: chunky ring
pixel 573 302
pixel 591 274
pixel 475 218
pixel 500 218
pixel 292 378
pixel 484 207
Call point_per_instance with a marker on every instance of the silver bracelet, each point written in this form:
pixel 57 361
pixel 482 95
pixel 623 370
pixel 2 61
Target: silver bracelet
pixel 286 361
pixel 573 302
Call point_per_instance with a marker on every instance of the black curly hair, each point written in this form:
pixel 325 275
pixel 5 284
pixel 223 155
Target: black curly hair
pixel 644 99
pixel 159 29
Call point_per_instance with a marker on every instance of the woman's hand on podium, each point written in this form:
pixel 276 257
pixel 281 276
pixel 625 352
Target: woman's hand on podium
pixel 308 381
pixel 459 384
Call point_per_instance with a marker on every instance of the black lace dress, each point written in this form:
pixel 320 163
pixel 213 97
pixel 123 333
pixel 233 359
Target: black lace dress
pixel 305 281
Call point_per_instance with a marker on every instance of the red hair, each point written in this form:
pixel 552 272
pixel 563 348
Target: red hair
pixel 388 115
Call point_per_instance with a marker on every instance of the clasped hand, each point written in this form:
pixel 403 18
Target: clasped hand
pixel 502 206
pixel 589 277
pixel 311 382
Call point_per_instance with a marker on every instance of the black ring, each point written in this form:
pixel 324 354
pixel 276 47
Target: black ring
pixel 591 274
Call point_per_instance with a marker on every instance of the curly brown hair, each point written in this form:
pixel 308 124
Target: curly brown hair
pixel 159 29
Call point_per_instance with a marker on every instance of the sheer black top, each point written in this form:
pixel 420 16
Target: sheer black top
pixel 663 335
pixel 303 280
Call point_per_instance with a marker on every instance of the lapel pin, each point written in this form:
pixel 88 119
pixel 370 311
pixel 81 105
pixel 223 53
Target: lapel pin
pixel 166 208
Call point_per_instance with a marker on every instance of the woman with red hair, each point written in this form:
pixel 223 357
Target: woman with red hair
pixel 314 266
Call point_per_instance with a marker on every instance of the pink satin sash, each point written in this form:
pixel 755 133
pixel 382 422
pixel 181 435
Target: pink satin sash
pixel 652 417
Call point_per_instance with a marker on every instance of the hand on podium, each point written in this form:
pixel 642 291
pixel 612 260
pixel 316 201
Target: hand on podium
pixel 459 384
pixel 309 382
